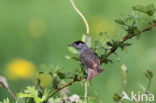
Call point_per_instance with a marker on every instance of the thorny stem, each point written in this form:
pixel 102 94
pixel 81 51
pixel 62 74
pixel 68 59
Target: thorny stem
pixel 66 85
pixel 87 33
pixel 127 37
pixel 82 16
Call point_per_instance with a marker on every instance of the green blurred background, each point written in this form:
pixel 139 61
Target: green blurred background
pixel 37 32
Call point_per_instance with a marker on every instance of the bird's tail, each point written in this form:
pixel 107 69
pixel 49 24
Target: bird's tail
pixel 100 69
pixel 93 73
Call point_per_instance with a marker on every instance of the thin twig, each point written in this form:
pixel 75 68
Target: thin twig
pixel 82 16
pixel 85 95
pixel 125 74
pixel 4 83
pixel 127 37
pixel 12 94
pixel 87 32
pixel 66 85
pixel 124 87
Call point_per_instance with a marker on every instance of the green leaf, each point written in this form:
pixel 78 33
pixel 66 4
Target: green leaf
pixel 73 50
pixel 132 30
pixel 73 58
pixel 127 44
pixel 61 75
pixel 99 45
pixel 6 101
pixel 123 46
pixel 149 74
pixel 45 94
pixel 119 21
pixel 116 43
pixel 31 92
pixel 129 18
pixel 84 38
pixel 109 43
pixel 148 9
pixel 67 57
pixel 116 97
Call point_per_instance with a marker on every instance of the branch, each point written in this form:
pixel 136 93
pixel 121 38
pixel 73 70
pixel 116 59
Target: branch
pixel 4 83
pixel 66 85
pixel 11 93
pixel 127 37
pixel 82 16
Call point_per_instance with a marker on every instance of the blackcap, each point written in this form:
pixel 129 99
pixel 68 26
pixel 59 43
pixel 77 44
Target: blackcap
pixel 89 59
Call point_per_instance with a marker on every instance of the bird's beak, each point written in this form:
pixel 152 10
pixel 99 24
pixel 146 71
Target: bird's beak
pixel 70 45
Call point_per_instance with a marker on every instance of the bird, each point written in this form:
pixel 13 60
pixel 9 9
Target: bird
pixel 88 58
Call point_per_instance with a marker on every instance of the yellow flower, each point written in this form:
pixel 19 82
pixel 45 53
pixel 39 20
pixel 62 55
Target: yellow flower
pixel 20 68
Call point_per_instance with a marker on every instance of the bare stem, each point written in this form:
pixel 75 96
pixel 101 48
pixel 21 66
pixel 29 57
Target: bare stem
pixel 82 16
pixel 85 96
pixel 4 83
pixel 127 37
pixel 124 87
pixel 12 94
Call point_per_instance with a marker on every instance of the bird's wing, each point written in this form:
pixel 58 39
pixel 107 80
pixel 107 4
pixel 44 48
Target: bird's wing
pixel 90 59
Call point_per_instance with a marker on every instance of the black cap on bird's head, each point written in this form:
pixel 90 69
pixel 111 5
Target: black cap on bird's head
pixel 78 44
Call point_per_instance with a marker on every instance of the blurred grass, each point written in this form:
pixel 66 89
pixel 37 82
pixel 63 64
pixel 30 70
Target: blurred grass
pixel 61 26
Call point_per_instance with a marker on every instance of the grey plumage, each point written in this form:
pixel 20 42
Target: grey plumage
pixel 89 59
